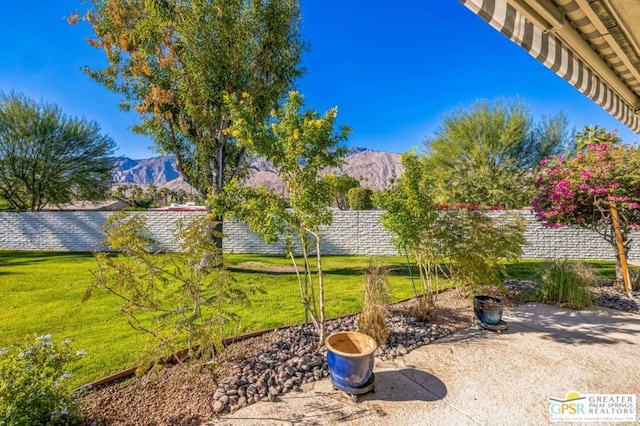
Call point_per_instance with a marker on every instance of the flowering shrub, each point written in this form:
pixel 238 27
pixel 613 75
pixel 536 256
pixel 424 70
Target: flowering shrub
pixel 33 384
pixel 578 191
pixel 581 192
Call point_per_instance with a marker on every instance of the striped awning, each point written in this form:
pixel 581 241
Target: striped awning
pixel 553 36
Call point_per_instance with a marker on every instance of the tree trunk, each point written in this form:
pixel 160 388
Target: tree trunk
pixel 621 249
pixel 320 291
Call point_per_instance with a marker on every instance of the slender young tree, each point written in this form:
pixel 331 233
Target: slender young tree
pixel 47 157
pixel 299 144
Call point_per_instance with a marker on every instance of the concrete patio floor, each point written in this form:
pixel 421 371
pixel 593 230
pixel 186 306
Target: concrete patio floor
pixel 480 377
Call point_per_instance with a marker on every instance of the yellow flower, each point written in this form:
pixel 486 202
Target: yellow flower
pixel 296 134
pixel 274 127
pixel 235 133
pixel 245 95
pixel 317 123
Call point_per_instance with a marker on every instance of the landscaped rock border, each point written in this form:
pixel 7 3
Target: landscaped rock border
pixel 294 359
pixel 262 367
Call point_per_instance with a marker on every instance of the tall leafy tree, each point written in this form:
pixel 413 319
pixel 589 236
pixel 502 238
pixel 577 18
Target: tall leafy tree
pixel 47 157
pixel 490 154
pixel 591 135
pixel 173 61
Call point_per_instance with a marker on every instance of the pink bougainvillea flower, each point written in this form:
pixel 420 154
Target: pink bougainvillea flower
pixel 598 190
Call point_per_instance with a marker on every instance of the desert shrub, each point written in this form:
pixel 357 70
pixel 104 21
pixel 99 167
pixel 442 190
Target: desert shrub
pixel 180 300
pixel 565 283
pixel 33 383
pixel 376 296
pixel 360 198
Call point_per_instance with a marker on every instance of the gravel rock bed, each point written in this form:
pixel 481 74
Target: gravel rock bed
pixel 615 298
pixel 262 367
pixel 294 359
pixel 610 295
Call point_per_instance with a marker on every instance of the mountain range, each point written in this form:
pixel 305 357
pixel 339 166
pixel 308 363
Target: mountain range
pixel 374 169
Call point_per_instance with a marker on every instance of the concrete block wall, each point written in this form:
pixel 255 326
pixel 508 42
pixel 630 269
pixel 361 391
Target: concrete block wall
pixel 76 231
pixel 352 233
pixel 240 239
pixel 356 232
pixel 572 243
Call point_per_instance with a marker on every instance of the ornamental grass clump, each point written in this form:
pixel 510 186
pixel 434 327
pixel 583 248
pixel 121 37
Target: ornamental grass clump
pixel 565 283
pixel 34 388
pixel 376 296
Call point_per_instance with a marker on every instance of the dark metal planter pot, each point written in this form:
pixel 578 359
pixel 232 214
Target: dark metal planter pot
pixel 350 358
pixel 488 309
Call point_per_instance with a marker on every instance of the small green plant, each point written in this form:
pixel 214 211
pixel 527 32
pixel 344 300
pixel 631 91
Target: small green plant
pixel 635 280
pixel 33 383
pixel 565 283
pixel 360 198
pixel 182 300
pixel 460 243
pixel 376 296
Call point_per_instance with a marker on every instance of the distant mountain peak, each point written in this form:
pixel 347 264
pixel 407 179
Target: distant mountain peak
pixel 358 149
pixel 374 169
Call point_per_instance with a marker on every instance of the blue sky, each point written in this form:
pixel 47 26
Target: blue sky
pixel 394 69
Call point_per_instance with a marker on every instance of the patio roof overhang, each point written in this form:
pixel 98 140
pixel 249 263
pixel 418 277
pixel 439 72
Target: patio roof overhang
pixel 593 44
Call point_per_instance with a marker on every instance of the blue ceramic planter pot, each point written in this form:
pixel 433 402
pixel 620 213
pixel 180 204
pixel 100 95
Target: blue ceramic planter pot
pixel 488 309
pixel 350 358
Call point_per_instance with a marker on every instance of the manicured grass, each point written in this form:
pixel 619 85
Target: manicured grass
pixel 41 293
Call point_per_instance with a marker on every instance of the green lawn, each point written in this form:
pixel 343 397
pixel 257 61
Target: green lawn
pixel 41 292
